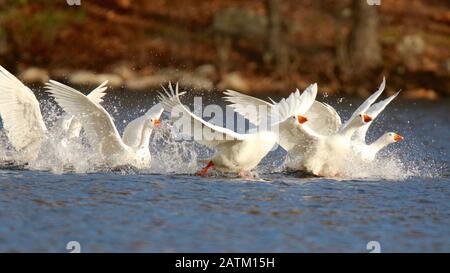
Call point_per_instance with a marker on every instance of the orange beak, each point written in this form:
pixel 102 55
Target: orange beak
pixel 367 118
pixel 398 137
pixel 301 119
pixel 156 122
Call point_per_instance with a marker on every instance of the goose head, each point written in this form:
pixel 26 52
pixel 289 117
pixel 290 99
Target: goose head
pixel 365 118
pixel 155 122
pixel 392 137
pixel 297 120
pixel 358 121
pixel 355 123
pixel 154 115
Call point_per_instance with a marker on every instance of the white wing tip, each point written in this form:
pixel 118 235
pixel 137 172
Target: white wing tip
pixel 383 84
pixel 230 92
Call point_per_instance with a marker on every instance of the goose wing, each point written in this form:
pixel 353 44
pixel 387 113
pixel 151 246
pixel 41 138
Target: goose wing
pixel 323 118
pixel 98 93
pixel 203 132
pixel 20 112
pixel 96 121
pixel 71 125
pixel 367 103
pixel 296 103
pixel 373 111
pixel 248 106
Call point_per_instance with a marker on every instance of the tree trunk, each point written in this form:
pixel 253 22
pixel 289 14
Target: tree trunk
pixel 364 52
pixel 9 50
pixel 223 46
pixel 277 50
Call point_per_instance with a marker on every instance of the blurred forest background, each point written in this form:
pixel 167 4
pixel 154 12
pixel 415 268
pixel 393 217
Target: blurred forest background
pixel 254 46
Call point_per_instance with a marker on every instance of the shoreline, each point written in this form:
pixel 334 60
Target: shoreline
pixel 206 79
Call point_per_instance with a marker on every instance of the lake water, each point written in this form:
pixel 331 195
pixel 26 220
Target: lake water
pixel 403 203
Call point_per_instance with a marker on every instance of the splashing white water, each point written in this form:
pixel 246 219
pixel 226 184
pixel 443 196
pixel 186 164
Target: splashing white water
pixel 169 155
pixel 388 165
pixel 185 157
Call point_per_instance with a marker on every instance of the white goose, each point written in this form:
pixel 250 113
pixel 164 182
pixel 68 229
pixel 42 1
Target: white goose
pixel 314 148
pixel 238 153
pixel 366 151
pixel 330 125
pixel 331 154
pixel 323 154
pixel 371 111
pixel 22 118
pixel 325 119
pixel 132 149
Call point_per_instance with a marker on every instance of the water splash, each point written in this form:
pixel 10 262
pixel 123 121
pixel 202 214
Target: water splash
pixel 170 155
pixel 56 154
pixel 395 164
pixel 185 157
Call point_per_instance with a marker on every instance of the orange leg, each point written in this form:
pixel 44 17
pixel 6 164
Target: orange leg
pixel 204 171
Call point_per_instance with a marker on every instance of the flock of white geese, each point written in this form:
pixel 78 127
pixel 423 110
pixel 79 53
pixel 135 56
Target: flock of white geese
pixel 310 131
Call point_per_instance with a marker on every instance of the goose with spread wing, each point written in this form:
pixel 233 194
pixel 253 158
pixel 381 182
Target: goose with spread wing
pixel 369 110
pixel 239 153
pixel 301 107
pixel 366 151
pixel 330 139
pixel 313 146
pixel 330 156
pixel 22 118
pixel 236 152
pixel 132 149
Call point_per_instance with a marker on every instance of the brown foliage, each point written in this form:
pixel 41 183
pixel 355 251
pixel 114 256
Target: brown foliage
pixel 152 35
